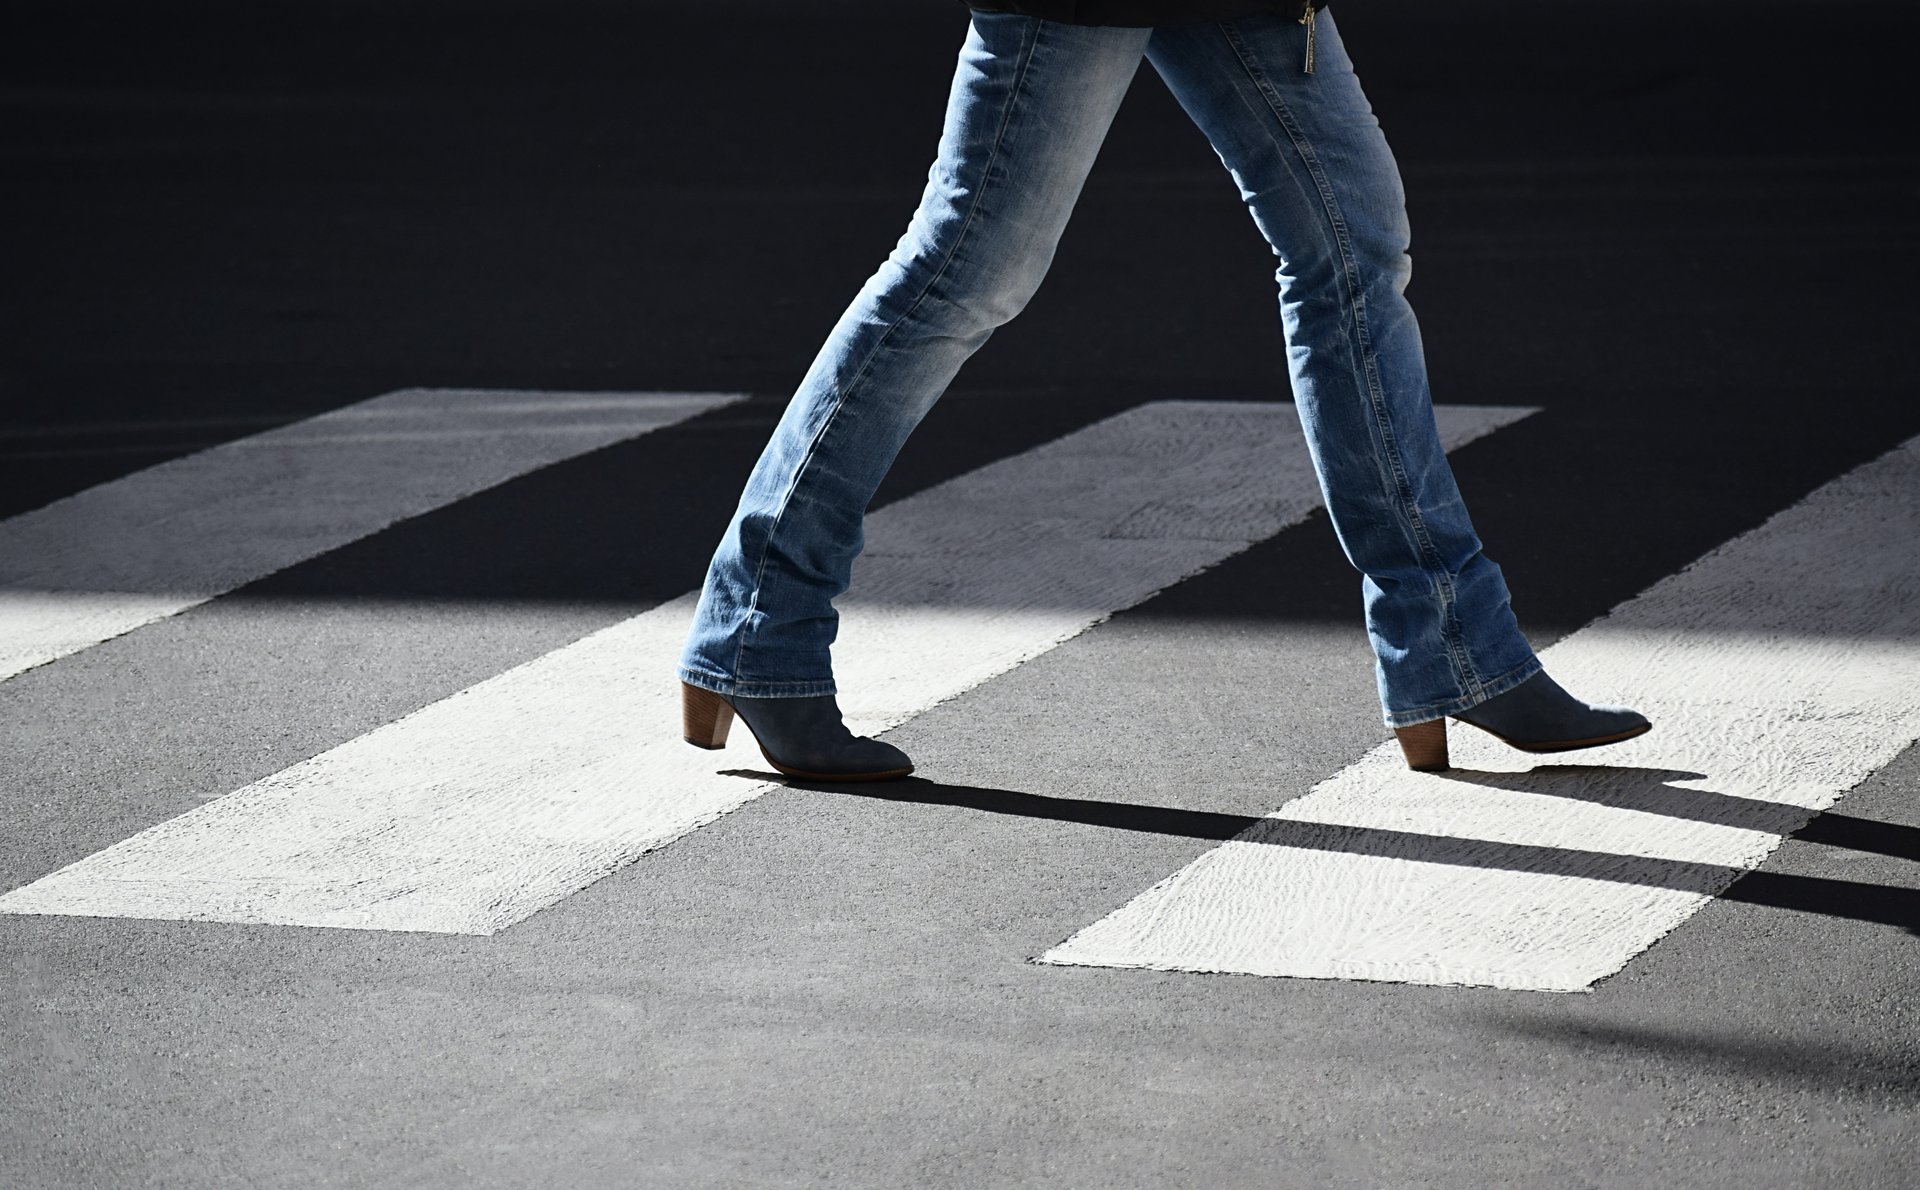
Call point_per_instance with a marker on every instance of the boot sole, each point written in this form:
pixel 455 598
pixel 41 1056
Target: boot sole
pixel 1425 744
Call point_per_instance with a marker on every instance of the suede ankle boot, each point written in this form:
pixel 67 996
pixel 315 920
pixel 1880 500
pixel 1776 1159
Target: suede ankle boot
pixel 802 737
pixel 1535 716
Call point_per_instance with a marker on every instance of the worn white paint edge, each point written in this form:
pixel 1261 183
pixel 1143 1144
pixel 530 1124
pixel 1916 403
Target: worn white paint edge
pixel 1779 671
pixel 481 809
pixel 105 561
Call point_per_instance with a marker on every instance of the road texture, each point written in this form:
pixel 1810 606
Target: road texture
pixel 1683 232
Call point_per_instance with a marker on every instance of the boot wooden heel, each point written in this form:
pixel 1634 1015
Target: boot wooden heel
pixel 1425 746
pixel 705 717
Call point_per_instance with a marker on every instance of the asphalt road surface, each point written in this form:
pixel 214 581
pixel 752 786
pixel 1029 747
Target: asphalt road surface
pixel 1663 266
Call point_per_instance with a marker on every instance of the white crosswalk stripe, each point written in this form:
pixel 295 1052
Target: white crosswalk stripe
pixel 1780 670
pixel 112 558
pixel 481 809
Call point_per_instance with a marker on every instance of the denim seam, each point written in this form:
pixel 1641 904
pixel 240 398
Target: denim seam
pixel 1394 468
pixel 1017 89
pixel 733 689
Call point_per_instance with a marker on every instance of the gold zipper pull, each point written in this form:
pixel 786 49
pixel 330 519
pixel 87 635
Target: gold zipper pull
pixel 1306 18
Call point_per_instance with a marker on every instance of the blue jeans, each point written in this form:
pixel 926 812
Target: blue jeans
pixel 1030 105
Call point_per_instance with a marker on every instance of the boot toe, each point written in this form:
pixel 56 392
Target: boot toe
pixel 877 759
pixel 858 759
pixel 1624 718
pixel 1539 716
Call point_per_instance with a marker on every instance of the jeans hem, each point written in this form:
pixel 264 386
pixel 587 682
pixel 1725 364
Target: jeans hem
pixel 729 688
pixel 1489 689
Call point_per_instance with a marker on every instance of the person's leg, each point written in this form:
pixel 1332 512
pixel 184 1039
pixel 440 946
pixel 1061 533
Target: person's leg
pixel 1316 172
pixel 1030 105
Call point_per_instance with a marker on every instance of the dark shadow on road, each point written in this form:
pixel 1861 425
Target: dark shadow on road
pixel 1606 785
pixel 1831 1065
pixel 1863 834
pixel 1849 899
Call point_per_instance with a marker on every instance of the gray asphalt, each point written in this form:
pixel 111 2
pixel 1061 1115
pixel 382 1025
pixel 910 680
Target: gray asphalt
pixel 1683 232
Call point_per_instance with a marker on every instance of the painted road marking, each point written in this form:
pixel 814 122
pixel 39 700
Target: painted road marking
pixel 107 560
pixel 1779 670
pixel 479 810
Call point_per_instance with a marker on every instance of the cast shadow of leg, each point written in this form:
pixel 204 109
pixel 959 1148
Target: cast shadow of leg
pixel 1646 790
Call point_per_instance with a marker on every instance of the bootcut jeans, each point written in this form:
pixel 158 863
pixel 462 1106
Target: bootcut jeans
pixel 1031 103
